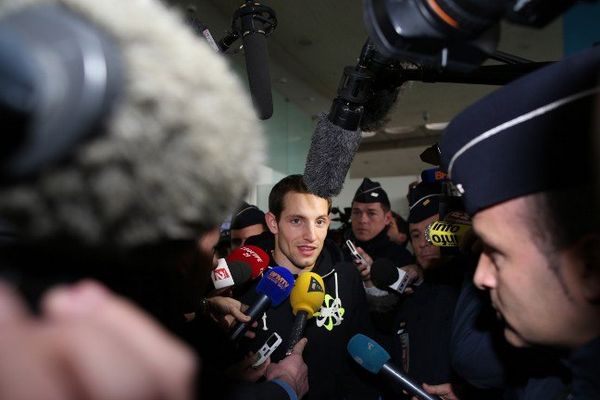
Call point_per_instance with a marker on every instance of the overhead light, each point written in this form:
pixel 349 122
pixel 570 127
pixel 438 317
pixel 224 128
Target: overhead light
pixel 398 130
pixel 436 126
pixel 367 134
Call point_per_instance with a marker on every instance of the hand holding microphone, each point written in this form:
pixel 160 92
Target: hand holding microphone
pixel 372 357
pixel 225 311
pixel 306 299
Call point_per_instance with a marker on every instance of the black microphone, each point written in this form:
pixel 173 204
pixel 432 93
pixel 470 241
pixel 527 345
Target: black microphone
pixel 372 357
pixel 386 276
pixel 257 21
pixel 365 95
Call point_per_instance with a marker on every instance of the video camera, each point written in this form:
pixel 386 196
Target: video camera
pixel 450 34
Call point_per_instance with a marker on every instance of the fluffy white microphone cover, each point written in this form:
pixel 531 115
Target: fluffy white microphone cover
pixel 177 153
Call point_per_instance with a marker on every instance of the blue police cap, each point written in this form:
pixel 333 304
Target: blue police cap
pixel 529 136
pixel 424 201
pixel 371 192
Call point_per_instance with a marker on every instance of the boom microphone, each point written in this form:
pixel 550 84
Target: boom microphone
pixel 372 357
pixel 256 22
pixel 332 149
pixel 306 299
pixel 365 95
pixel 274 287
pixel 253 256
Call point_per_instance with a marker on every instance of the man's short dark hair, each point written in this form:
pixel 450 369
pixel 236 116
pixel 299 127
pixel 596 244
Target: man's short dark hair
pixel 401 223
pixel 560 217
pixel 291 183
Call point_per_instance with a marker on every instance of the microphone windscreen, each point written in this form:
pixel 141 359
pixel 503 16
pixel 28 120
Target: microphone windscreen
pixel 259 79
pixel 308 293
pixel 160 167
pixel 377 108
pixel 367 353
pixel 255 257
pixel 240 271
pixel 332 149
pixel 383 273
pixel 276 283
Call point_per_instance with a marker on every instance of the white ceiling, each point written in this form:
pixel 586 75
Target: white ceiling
pixel 315 39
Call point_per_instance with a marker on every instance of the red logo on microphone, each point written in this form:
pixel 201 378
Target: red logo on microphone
pixel 221 273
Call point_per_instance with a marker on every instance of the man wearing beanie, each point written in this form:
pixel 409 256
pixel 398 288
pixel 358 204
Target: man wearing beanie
pixel 519 158
pixel 247 221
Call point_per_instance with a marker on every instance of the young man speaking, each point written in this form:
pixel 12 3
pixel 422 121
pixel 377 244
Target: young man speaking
pixel 298 221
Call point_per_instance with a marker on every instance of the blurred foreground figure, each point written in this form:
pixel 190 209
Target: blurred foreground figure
pixel 520 158
pixel 117 159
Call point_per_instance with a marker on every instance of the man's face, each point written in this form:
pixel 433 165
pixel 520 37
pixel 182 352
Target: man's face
pixel 427 254
pixel 530 297
pixel 239 236
pixel 368 220
pixel 300 231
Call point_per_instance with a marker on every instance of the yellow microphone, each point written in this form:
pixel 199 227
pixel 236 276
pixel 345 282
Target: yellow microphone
pixel 446 234
pixel 306 299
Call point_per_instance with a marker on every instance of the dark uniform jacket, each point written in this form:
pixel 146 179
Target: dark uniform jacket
pixel 584 365
pixel 381 247
pixel 332 374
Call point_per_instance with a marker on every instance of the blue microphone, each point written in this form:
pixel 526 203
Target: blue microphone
pixel 274 287
pixel 372 357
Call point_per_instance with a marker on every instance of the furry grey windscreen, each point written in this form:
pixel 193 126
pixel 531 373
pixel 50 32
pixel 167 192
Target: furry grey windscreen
pixel 328 161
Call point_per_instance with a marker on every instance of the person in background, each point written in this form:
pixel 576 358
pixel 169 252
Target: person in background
pixel 247 221
pixel 398 230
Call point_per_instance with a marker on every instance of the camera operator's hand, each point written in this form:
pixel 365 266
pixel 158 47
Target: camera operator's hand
pixel 364 268
pixel 292 370
pixel 226 311
pixel 88 344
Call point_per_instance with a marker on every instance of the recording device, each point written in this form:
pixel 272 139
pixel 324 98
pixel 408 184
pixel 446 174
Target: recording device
pixel 274 287
pixel 364 91
pixel 253 22
pixel 271 344
pixel 449 34
pixel 367 93
pixel 372 357
pixel 253 256
pixel 228 274
pixel 386 276
pixel 358 258
pixel 306 299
